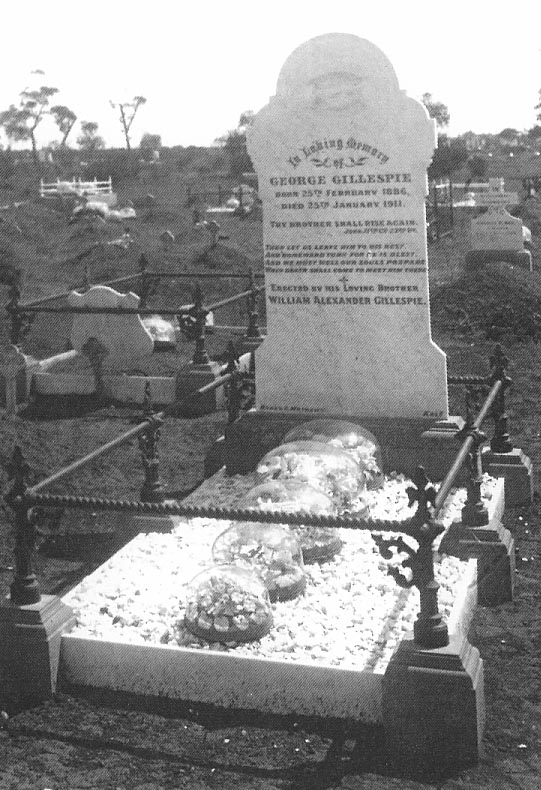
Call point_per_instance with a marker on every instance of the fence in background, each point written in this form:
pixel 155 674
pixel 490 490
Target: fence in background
pixel 75 187
pixel 218 196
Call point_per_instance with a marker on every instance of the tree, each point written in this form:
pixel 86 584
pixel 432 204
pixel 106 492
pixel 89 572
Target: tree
pixel 534 133
pixel 437 110
pixel 478 166
pixel 65 120
pixel 450 155
pixel 151 142
pixel 89 139
pixel 20 123
pixel 127 112
pixel 234 143
pixel 509 134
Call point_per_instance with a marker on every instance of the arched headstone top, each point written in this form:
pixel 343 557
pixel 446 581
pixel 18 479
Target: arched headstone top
pixel 335 68
pixel 124 336
pixel 341 81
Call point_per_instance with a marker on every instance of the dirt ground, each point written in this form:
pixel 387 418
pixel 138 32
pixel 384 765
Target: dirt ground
pixel 73 742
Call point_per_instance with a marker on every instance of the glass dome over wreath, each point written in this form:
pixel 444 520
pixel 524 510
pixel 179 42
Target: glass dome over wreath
pixel 270 549
pixel 318 544
pixel 330 469
pixel 227 603
pixel 356 440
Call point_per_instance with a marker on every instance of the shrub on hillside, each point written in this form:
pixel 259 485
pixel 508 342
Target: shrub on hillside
pixel 205 160
pixel 118 164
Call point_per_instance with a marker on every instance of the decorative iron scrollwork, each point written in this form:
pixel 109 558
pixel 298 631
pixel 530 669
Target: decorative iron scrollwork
pixel 187 323
pixel 385 545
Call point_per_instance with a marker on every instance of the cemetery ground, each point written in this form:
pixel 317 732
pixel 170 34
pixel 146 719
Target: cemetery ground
pixel 71 743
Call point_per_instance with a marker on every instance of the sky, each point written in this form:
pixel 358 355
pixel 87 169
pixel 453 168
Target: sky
pixel 200 65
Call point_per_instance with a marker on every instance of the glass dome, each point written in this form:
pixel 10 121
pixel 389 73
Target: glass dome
pixel 226 603
pixel 271 549
pixel 327 468
pixel 354 439
pixel 318 544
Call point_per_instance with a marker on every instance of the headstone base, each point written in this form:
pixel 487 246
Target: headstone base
pixel 30 647
pixel 434 708
pixel 517 469
pixel 494 548
pixel 191 378
pixel 405 443
pixel 522 258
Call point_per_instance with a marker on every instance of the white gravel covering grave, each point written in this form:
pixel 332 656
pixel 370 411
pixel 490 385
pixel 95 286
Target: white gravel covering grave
pixel 352 614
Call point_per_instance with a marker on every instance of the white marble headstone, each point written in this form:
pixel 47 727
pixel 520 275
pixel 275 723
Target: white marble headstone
pixel 496 229
pixel 124 336
pixel 341 155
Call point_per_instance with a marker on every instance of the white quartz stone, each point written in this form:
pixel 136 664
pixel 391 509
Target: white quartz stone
pixel 341 154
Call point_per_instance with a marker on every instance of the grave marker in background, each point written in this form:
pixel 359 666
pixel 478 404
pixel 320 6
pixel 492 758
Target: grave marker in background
pixel 496 235
pixel 124 336
pixel 341 155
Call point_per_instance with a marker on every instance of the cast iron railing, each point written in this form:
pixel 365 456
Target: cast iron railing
pixel 192 319
pixel 429 629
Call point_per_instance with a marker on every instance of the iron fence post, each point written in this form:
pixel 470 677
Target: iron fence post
pixel 24 589
pixel 475 512
pixel 20 321
pixel 152 490
pixel 232 394
pixel 500 442
pixel 429 629
pixel 199 313
pixel 143 281
pixel 252 330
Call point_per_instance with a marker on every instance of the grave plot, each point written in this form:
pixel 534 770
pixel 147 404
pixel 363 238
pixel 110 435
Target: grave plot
pixel 116 340
pixel 326 653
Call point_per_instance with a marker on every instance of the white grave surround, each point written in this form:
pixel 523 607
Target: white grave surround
pixel 239 681
pixel 341 155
